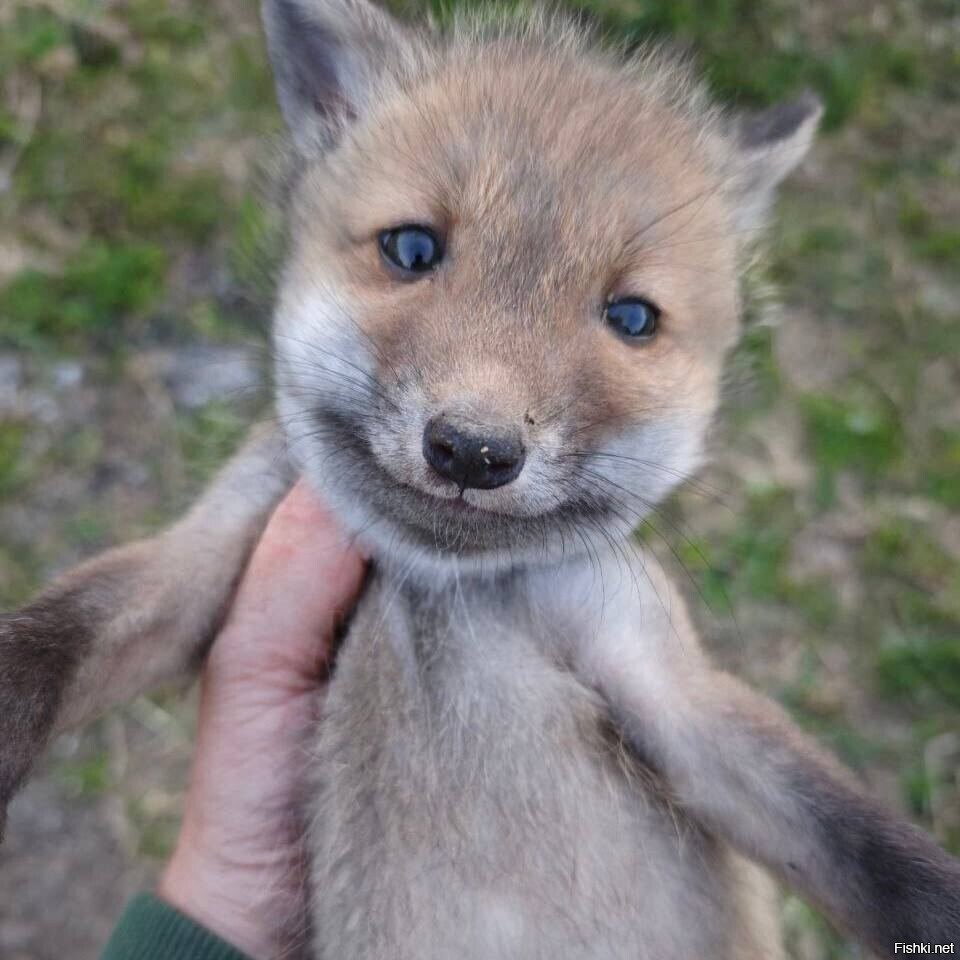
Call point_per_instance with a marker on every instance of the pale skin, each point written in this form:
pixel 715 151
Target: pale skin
pixel 237 867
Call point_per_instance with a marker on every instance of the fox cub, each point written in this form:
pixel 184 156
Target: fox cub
pixel 511 285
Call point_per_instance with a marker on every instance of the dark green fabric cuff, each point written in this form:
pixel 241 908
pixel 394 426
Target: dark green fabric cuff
pixel 153 930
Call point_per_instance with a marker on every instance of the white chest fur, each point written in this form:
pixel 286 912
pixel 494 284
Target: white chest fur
pixel 473 798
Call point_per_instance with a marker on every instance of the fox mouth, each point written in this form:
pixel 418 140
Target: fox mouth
pixel 449 525
pixel 457 505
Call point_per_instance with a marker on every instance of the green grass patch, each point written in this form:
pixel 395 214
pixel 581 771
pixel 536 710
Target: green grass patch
pixel 808 934
pixel 250 86
pixel 860 432
pixel 13 472
pixel 922 782
pixel 752 53
pixel 89 777
pixel 929 239
pixel 208 436
pixel 942 473
pixel 100 289
pixel 833 267
pixel 156 832
pixel 256 248
pixel 900 548
pixel 757 553
pixel 95 51
pixel 124 186
pixel 917 664
pixel 35 32
pixel 916 614
pixel 89 529
pixel 753 374
pixel 21 572
pixel 163 25
pixel 749 562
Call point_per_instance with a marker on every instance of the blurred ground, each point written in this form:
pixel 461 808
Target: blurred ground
pixel 822 551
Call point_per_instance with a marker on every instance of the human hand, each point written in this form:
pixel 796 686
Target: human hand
pixel 238 868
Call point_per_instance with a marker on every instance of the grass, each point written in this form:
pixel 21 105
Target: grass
pixel 859 431
pixel 830 572
pixel 93 296
pixel 208 436
pixel 12 472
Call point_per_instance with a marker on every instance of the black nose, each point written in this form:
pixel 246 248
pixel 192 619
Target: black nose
pixel 471 458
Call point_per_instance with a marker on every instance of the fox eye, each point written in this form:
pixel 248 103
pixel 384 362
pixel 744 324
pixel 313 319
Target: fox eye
pixel 632 317
pixel 412 249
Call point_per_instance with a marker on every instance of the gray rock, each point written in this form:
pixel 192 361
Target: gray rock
pixel 67 374
pixel 11 380
pixel 198 375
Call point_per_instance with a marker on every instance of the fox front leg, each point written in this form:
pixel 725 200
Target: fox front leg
pixel 135 617
pixel 736 763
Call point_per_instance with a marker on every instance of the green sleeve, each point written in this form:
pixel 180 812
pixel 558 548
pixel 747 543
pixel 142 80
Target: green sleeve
pixel 153 930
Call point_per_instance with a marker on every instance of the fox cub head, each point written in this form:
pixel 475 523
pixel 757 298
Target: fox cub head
pixel 513 273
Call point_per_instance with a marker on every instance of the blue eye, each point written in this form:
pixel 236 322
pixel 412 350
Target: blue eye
pixel 632 317
pixel 412 249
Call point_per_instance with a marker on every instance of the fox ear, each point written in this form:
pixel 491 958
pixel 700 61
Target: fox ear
pixel 768 146
pixel 327 56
